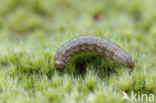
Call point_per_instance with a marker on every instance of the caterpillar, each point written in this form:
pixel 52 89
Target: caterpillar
pixel 96 44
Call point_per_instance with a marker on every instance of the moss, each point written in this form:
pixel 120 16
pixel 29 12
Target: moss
pixel 31 31
pixel 18 21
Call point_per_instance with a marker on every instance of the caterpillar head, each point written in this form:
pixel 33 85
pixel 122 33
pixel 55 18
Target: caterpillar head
pixel 59 65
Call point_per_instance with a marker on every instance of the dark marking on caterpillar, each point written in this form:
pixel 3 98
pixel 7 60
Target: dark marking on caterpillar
pixel 96 44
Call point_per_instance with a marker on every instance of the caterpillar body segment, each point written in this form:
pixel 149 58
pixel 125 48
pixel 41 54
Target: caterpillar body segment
pixel 96 44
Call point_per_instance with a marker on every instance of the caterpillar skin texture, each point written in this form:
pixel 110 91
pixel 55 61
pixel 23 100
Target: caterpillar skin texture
pixel 92 44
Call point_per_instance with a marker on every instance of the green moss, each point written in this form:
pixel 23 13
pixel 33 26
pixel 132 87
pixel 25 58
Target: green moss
pixel 31 31
pixel 18 21
pixel 126 82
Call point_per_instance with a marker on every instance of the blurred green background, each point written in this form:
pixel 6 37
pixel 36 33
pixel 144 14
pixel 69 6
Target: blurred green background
pixel 31 31
pixel 23 16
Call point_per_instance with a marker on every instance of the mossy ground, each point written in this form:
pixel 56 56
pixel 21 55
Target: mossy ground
pixel 31 31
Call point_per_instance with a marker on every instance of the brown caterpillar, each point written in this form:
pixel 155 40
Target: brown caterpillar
pixel 92 44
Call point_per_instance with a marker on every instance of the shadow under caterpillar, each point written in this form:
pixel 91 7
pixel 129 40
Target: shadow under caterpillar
pixel 96 44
